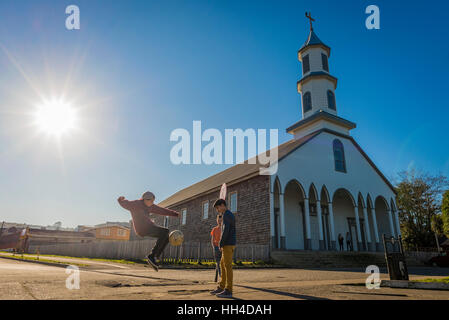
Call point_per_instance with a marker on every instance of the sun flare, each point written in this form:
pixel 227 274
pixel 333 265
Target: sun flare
pixel 55 117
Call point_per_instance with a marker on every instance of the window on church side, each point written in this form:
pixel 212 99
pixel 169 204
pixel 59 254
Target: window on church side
pixel 305 64
pixel 339 156
pixel 184 216
pixel 205 209
pixel 307 102
pixel 233 202
pixel 331 100
pixel 325 62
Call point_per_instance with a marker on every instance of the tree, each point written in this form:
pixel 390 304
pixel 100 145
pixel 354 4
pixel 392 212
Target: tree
pixel 419 204
pixel 445 212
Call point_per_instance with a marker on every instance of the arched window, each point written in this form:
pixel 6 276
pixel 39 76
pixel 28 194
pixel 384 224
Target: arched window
pixel 307 102
pixel 331 100
pixel 339 156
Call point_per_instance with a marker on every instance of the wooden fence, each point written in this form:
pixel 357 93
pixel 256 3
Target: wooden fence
pixel 139 249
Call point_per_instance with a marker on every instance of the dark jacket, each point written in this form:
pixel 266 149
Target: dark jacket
pixel 228 235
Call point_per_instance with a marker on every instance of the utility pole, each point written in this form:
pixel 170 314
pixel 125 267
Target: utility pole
pixel 1 230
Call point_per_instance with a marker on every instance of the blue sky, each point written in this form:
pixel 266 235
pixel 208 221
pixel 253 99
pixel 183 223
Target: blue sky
pixel 139 69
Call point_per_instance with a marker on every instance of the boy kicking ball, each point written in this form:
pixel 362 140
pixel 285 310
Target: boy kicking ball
pixel 144 226
pixel 227 246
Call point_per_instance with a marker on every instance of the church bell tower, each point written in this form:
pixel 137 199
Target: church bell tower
pixel 317 86
pixel 317 89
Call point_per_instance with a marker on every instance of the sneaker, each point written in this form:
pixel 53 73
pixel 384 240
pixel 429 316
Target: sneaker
pixel 225 294
pixel 152 262
pixel 217 291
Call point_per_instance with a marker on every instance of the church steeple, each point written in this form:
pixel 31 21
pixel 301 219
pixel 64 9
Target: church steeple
pixel 317 86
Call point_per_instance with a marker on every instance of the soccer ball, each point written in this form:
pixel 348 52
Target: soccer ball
pixel 176 238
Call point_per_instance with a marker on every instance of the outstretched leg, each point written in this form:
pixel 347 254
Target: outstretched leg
pixel 162 235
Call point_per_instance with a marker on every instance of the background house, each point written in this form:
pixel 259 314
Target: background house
pixel 111 232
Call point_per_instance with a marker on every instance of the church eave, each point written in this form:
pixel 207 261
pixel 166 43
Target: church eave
pixel 310 46
pixel 318 116
pixel 317 75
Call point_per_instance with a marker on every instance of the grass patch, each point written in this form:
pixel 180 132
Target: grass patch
pixel 442 280
pixel 165 262
pixel 27 258
pixel 125 261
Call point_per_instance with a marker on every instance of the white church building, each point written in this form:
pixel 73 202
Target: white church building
pixel 330 187
pixel 326 186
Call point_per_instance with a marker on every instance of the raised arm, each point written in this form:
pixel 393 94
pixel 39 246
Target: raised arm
pixel 163 211
pixel 126 204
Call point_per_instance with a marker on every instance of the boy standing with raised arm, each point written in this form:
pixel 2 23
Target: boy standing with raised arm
pixel 227 247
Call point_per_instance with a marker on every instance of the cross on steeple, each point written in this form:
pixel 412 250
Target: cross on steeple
pixel 309 16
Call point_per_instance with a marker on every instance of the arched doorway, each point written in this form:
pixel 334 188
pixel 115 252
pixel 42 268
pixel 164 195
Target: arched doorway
pixel 294 216
pixel 372 223
pixel 364 225
pixel 326 220
pixel 314 219
pixel 343 205
pixel 382 217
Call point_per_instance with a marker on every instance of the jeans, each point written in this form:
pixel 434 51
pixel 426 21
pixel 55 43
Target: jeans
pixel 162 239
pixel 226 268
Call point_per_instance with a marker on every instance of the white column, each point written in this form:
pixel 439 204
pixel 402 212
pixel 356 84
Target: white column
pixel 272 223
pixel 307 218
pixel 398 225
pixel 282 218
pixel 390 219
pixel 367 228
pixel 332 225
pixel 376 231
pixel 320 221
pixel 357 224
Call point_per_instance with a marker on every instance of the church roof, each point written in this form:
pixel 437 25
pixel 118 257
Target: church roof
pixel 313 40
pixel 237 173
pixel 245 171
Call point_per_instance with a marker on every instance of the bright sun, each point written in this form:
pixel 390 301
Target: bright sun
pixel 55 117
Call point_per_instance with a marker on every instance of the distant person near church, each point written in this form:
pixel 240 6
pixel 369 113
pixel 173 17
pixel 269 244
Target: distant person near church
pixel 340 242
pixel 348 241
pixel 145 227
pixel 227 247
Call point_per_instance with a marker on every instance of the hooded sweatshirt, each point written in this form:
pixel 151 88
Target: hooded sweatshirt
pixel 141 214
